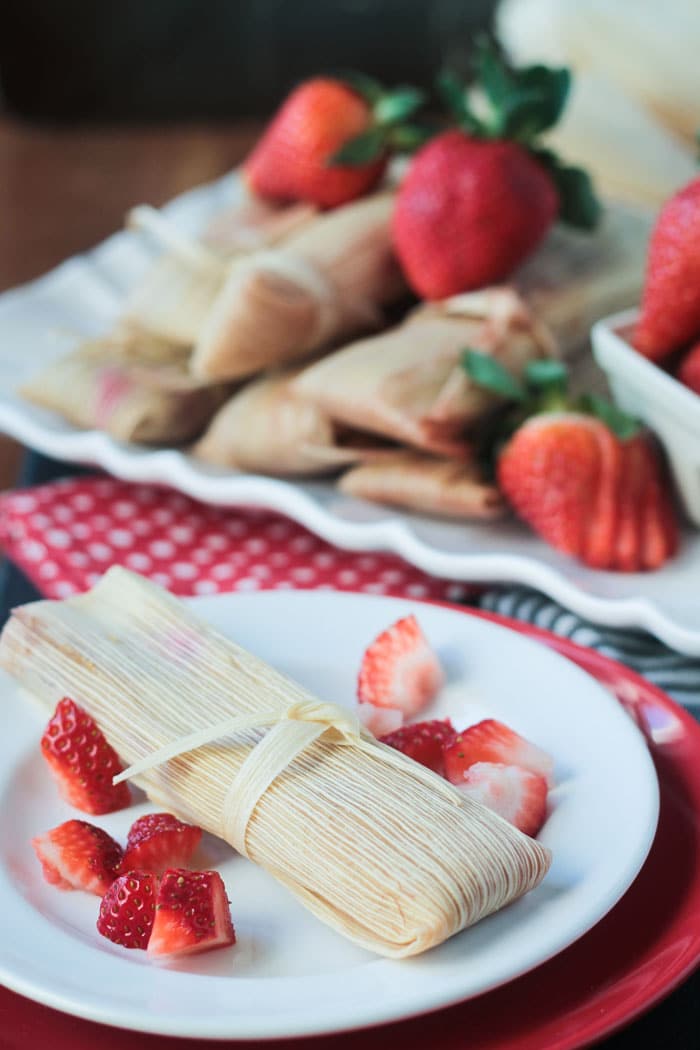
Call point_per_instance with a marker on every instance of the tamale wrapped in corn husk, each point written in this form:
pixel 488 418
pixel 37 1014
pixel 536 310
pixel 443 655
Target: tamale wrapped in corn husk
pixel 179 289
pixel 375 845
pixel 132 386
pixel 445 487
pixel 575 278
pixel 327 281
pixel 409 384
pixel 268 428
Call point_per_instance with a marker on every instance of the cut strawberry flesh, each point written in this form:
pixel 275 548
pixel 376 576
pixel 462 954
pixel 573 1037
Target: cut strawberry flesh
pixel 517 795
pixel 158 841
pixel 192 914
pixel 128 909
pixel 380 720
pixel 400 670
pixel 424 742
pixel 82 762
pixel 492 741
pixel 79 856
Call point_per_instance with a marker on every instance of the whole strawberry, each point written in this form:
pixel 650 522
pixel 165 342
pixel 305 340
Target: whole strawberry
pixel 469 212
pixel 670 310
pixel 478 199
pixel 330 141
pixel 580 472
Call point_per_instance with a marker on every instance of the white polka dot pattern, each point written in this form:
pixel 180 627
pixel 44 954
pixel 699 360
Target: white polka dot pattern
pixel 65 534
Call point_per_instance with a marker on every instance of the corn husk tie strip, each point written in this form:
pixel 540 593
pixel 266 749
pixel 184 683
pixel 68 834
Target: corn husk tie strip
pixel 291 731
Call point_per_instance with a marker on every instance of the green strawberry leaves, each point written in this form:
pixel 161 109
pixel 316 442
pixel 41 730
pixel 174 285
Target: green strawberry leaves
pixel 489 374
pixel 389 130
pixel 363 149
pixel 542 388
pixel 524 102
pixel 621 424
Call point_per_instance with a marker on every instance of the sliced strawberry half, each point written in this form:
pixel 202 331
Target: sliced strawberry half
pixel 78 856
pixel 82 761
pixel 158 841
pixel 400 670
pixel 128 909
pixel 516 794
pixel 192 914
pixel 424 742
pixel 492 741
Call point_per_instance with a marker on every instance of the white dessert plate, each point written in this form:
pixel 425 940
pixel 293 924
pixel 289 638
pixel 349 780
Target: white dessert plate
pixel 288 974
pixel 83 297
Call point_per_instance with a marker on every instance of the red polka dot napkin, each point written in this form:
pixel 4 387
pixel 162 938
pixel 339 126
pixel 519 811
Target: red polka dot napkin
pixel 64 535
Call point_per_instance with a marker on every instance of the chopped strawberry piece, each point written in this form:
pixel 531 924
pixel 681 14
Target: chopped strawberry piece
pixel 82 761
pixel 192 914
pixel 78 856
pixel 400 670
pixel 380 720
pixel 516 794
pixel 158 841
pixel 128 909
pixel 424 742
pixel 492 741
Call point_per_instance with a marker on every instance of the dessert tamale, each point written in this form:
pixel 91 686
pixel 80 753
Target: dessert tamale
pixel 375 845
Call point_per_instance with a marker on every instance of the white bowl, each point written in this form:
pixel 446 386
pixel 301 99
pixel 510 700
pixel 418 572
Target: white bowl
pixel 648 393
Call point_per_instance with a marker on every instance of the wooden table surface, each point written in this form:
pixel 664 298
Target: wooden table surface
pixel 63 190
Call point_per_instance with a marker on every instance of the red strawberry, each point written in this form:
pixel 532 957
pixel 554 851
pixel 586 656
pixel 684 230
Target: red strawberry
pixel 469 212
pixel 492 741
pixel 78 856
pixel 128 909
pixel 424 742
pixel 689 370
pixel 590 494
pixel 516 794
pixel 399 669
pixel 158 841
pixel 670 312
pixel 292 161
pixel 192 914
pixel 82 761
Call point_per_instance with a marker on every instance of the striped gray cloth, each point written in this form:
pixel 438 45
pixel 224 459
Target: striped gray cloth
pixel 677 675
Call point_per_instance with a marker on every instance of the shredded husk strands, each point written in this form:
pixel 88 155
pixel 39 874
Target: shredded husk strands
pixel 378 847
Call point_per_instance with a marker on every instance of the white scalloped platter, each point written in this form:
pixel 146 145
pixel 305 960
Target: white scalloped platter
pixel 82 297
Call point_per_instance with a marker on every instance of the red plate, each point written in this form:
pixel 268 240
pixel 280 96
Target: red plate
pixel 642 950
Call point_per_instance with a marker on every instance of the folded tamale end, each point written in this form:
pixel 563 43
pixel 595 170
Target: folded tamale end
pixel 385 852
pixel 445 488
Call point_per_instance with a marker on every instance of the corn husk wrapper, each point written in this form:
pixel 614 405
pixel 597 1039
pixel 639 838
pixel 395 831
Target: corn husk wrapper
pixel 375 845
pixel 409 384
pixel 132 386
pixel 326 282
pixel 253 224
pixel 177 293
pixel 267 428
pixel 575 278
pixel 411 480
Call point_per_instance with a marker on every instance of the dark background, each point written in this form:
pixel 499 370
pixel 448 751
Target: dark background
pixel 146 60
